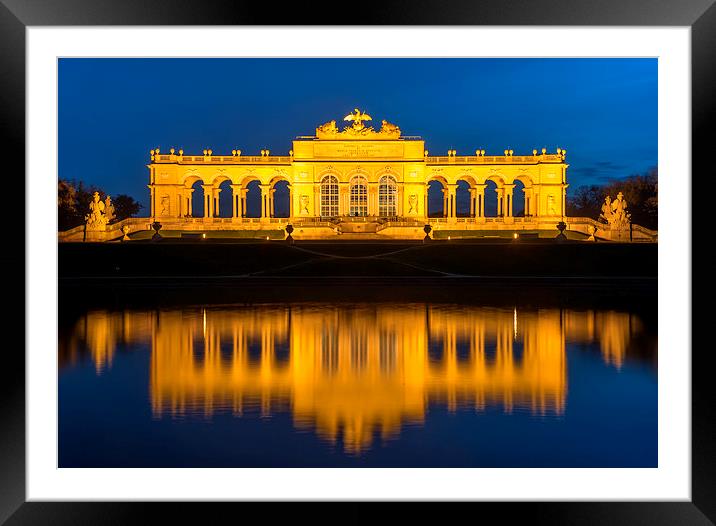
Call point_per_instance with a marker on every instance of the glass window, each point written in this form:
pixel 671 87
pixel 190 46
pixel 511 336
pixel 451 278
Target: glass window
pixel 329 196
pixel 387 197
pixel 359 196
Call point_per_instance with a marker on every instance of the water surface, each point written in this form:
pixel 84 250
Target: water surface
pixel 357 384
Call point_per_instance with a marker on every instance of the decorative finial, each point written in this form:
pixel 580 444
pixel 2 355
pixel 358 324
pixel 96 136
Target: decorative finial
pixel 171 150
pixel 181 151
pixel 210 152
pixel 544 151
pixel 205 152
pixel 534 152
pixel 426 153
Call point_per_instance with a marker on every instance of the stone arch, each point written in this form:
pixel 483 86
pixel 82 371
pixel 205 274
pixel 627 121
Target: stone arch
pixel 437 187
pixel 196 200
pixel 280 196
pixel 494 188
pixel 465 195
pixel 522 196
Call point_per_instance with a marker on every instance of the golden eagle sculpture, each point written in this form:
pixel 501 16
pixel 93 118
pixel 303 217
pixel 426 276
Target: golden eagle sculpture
pixel 357 117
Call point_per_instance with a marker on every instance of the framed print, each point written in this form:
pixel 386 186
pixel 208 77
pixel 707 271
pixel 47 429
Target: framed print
pixel 427 258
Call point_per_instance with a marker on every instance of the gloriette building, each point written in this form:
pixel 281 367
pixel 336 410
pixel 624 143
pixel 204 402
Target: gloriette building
pixel 363 181
pixel 358 174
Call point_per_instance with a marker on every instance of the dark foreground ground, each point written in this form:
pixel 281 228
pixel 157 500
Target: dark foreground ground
pixel 155 275
pixel 191 260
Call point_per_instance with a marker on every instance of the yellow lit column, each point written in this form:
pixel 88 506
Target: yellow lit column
pixel 534 200
pixel 452 201
pixel 480 201
pixel 317 199
pixel 151 199
pixel 189 202
pixel 528 201
pixel 290 200
pixel 215 200
pixel 236 201
pixel 244 193
pixel 272 208
pixel 500 201
pixel 472 202
pixel 373 199
pixel 343 199
pixel 265 195
pixel 208 200
pixel 507 200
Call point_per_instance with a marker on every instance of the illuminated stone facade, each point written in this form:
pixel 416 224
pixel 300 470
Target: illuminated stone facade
pixel 357 180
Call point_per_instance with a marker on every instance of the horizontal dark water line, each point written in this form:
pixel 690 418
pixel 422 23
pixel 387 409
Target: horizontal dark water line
pixel 630 294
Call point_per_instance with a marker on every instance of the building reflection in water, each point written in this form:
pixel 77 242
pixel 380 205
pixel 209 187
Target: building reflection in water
pixel 352 371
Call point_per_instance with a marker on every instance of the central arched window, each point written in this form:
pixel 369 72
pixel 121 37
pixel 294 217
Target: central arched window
pixel 387 196
pixel 329 196
pixel 359 196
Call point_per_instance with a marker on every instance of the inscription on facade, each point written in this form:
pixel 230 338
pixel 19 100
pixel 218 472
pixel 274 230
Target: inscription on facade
pixel 358 149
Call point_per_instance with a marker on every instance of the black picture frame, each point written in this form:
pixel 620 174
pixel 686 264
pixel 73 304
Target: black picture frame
pixel 16 15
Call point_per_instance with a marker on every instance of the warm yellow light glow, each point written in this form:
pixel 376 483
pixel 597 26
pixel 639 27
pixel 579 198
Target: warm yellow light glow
pixel 353 371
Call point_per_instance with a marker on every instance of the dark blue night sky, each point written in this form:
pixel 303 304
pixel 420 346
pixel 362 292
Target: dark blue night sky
pixel 113 111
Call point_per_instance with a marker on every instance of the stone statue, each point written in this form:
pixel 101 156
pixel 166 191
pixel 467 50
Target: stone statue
pixel 327 129
pixel 358 130
pixel 413 201
pixel 165 205
pixel 614 212
pixel 109 209
pixel 96 219
pixel 357 117
pixel 304 203
pixel 389 129
pixel 125 231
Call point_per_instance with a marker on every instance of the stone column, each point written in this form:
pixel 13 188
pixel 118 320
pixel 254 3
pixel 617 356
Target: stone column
pixel 373 208
pixel 290 201
pixel 265 192
pixel 480 200
pixel 507 201
pixel 472 202
pixel 344 204
pixel 452 201
pixel 208 200
pixel 244 193
pixel 215 200
pixel 236 200
pixel 189 202
pixel 272 207
pixel 151 199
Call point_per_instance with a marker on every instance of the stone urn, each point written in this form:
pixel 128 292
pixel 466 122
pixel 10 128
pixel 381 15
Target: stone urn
pixel 289 230
pixel 427 229
pixel 561 226
pixel 125 231
pixel 157 226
